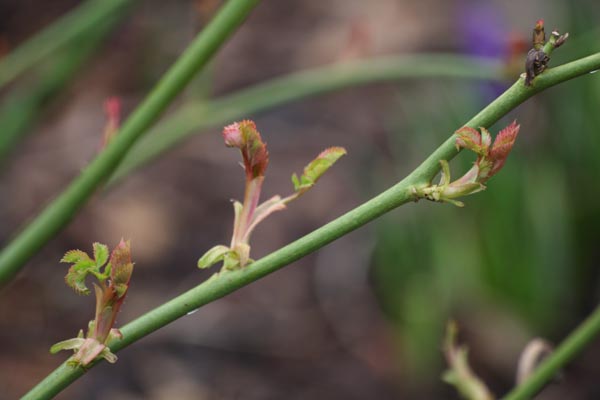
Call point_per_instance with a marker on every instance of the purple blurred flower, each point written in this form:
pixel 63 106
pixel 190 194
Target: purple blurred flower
pixel 484 33
pixel 483 29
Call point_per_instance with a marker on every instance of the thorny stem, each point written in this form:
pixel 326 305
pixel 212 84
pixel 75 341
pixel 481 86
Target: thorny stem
pixel 63 208
pixel 225 282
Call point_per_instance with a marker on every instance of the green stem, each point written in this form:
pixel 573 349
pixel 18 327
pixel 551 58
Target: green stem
pixel 197 116
pixel 226 282
pixel 565 352
pixel 21 109
pixel 52 38
pixel 65 206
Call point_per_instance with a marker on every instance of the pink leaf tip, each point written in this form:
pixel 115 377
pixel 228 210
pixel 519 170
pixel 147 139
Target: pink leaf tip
pixel 502 146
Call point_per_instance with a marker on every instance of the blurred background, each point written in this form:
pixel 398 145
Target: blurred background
pixel 363 317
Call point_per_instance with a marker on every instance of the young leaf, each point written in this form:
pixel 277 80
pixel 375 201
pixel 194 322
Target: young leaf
pixel 296 181
pixel 75 256
pixel 469 138
pixel 316 168
pixel 69 344
pixel 486 139
pixel 82 265
pixel 503 144
pixel 100 254
pixel 75 278
pixel 213 256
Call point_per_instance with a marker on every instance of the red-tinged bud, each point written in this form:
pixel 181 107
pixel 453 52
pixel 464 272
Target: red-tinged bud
pixel 539 24
pixel 233 135
pixel 109 298
pixel 539 36
pixel 246 137
pixel 539 56
pixel 121 267
pixel 112 109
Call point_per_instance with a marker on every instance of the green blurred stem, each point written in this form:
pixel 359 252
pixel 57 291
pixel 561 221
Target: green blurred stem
pixel 565 352
pixel 226 282
pixel 196 116
pixel 65 206
pixel 55 36
pixel 19 111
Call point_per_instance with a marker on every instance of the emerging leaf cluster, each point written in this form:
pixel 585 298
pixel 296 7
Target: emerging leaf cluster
pixel 490 159
pixel 113 275
pixel 83 264
pixel 250 213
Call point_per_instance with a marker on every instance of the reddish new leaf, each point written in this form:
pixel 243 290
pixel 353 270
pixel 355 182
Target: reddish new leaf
pixel 468 138
pixel 503 144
